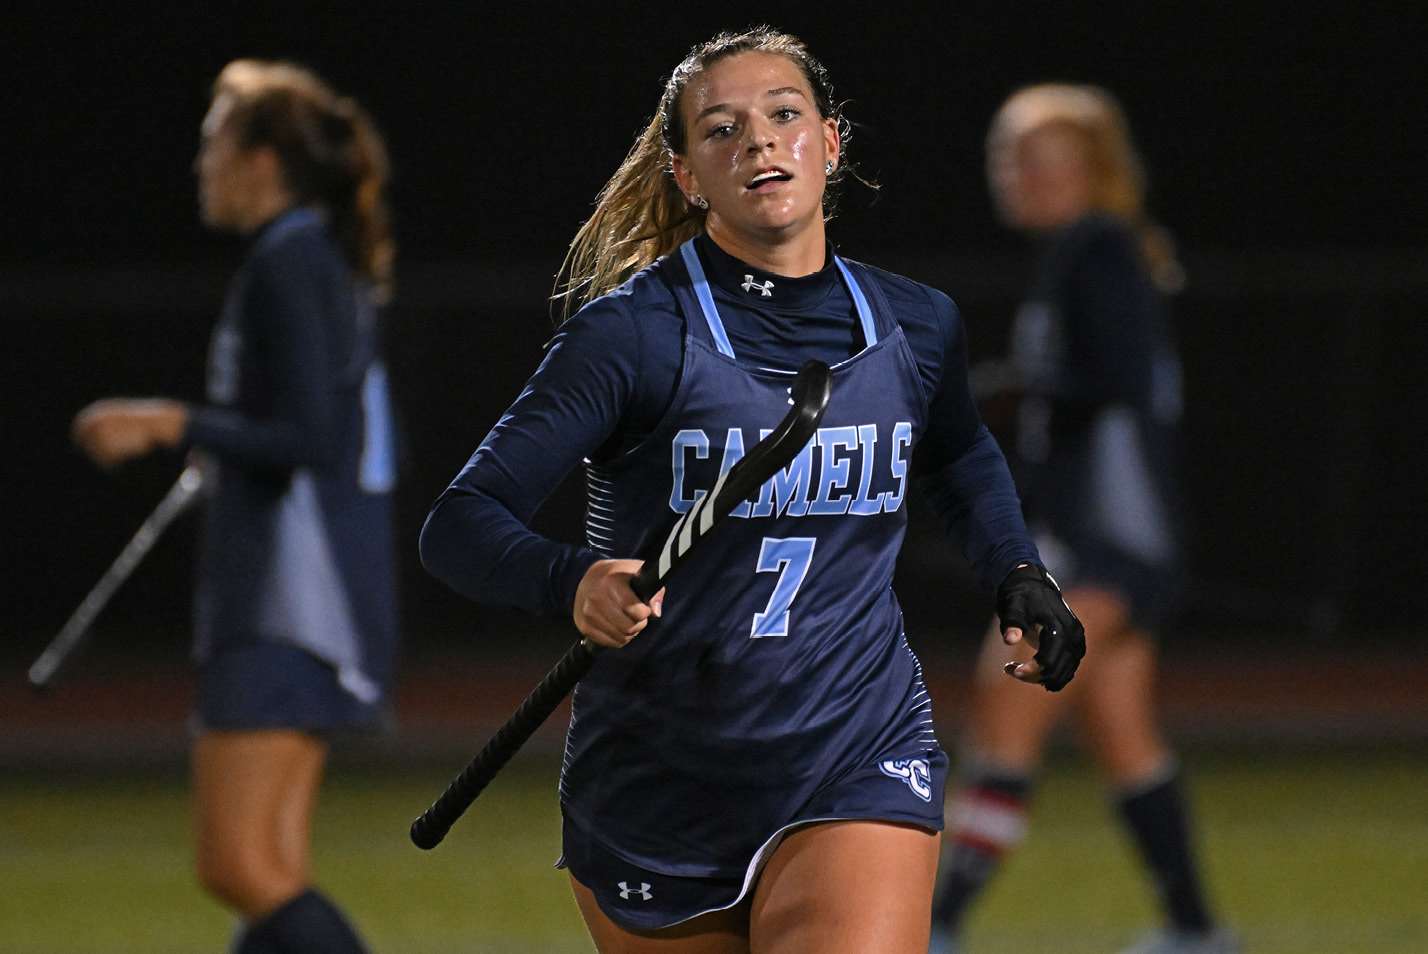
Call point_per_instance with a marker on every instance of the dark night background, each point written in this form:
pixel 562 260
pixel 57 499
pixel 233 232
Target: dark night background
pixel 1286 149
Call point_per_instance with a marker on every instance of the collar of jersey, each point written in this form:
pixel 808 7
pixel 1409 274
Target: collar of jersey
pixel 290 219
pixel 729 274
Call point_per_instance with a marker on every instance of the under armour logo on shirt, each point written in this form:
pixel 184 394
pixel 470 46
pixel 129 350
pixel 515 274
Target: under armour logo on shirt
pixel 765 288
pixel 643 891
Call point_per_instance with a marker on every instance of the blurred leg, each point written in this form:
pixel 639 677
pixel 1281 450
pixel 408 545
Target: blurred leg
pixel 986 819
pixel 1008 727
pixel 252 800
pixel 253 796
pixel 1118 724
pixel 1115 711
pixel 1008 721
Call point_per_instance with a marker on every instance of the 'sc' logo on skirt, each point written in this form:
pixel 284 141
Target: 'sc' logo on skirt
pixel 917 773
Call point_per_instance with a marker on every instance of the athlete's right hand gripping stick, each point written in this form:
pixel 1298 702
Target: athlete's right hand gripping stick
pixel 809 399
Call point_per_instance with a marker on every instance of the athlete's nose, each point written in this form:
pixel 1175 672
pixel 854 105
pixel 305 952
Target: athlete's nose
pixel 758 136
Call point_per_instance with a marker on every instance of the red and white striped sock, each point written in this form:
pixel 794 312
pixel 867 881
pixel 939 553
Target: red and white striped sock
pixel 986 818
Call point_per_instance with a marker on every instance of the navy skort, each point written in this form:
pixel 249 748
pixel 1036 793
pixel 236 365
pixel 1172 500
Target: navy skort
pixel 260 684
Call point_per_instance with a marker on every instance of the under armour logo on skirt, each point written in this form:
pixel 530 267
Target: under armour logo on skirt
pixel 643 891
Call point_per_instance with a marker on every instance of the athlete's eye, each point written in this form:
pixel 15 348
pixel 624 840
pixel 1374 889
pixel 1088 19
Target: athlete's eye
pixel 786 114
pixel 719 130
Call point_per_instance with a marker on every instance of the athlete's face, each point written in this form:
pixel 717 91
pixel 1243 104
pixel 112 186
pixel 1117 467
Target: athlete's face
pixel 233 183
pixel 757 149
pixel 1040 178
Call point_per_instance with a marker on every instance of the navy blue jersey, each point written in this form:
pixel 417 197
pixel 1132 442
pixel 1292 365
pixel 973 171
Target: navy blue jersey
pixel 608 379
pixel 296 440
pixel 779 665
pixel 1094 450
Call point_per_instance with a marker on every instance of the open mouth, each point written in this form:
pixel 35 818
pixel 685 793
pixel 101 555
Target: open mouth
pixel 767 176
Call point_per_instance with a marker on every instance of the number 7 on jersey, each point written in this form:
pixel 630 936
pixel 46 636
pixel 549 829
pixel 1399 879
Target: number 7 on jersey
pixel 789 557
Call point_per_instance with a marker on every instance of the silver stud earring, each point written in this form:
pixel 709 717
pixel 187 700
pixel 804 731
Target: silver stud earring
pixel 702 202
pixel 830 167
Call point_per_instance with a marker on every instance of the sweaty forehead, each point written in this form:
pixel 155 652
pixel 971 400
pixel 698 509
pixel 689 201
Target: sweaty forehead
pixel 744 77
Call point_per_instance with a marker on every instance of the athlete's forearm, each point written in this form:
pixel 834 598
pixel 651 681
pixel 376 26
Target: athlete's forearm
pixel 476 546
pixel 976 501
pixel 283 442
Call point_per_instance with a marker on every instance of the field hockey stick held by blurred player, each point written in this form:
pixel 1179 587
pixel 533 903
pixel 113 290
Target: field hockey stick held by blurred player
pixel 809 397
pixel 62 648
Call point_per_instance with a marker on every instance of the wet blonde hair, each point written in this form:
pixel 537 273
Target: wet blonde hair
pixel 1117 176
pixel 330 151
pixel 640 214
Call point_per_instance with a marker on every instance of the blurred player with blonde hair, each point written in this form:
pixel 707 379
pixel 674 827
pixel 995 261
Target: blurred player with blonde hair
pixel 1094 366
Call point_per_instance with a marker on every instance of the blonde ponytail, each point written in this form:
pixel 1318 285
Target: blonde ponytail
pixel 640 214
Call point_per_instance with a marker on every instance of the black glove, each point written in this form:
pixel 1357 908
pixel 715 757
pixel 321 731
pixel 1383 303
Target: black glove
pixel 1029 596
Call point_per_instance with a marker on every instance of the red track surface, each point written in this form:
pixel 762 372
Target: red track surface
pixel 450 708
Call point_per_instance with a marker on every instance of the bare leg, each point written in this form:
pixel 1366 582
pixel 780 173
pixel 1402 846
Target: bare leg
pixel 1010 721
pixel 1115 713
pixel 1112 703
pixel 1117 724
pixel 849 887
pixel 1008 727
pixel 846 887
pixel 253 794
pixel 722 932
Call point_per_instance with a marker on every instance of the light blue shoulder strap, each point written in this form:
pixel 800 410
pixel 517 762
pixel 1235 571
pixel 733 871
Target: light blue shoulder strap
pixel 706 298
pixel 860 302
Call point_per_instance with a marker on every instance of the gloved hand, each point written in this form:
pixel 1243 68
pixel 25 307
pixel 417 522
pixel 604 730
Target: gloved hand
pixel 1030 606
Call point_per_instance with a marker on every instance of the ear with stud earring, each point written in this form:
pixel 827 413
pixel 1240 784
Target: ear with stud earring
pixel 829 170
pixel 700 201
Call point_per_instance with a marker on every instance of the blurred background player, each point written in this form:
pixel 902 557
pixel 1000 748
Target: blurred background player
pixel 295 624
pixel 754 767
pixel 1094 362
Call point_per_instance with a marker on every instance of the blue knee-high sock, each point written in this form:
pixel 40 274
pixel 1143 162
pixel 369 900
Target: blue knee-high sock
pixel 308 924
pixel 1158 819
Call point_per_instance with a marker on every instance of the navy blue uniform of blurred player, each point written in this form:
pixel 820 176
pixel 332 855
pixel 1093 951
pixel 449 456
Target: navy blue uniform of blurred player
pixel 295 608
pixel 295 446
pixel 1093 359
pixel 754 766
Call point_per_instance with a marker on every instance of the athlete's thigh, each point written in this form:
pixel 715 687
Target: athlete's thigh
pixel 300 799
pixel 846 887
pixel 1008 720
pixel 720 932
pixel 1116 721
pixel 248 785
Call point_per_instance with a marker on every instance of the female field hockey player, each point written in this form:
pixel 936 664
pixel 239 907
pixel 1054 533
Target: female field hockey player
pixel 1093 354
pixel 295 609
pixel 752 765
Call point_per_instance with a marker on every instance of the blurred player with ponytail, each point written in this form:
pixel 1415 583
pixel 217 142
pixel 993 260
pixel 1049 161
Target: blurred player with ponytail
pixel 295 625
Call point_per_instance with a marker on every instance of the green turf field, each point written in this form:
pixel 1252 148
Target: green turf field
pixel 1322 852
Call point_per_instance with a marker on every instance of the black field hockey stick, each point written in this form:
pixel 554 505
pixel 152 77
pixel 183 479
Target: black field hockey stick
pixel 63 647
pixel 809 397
